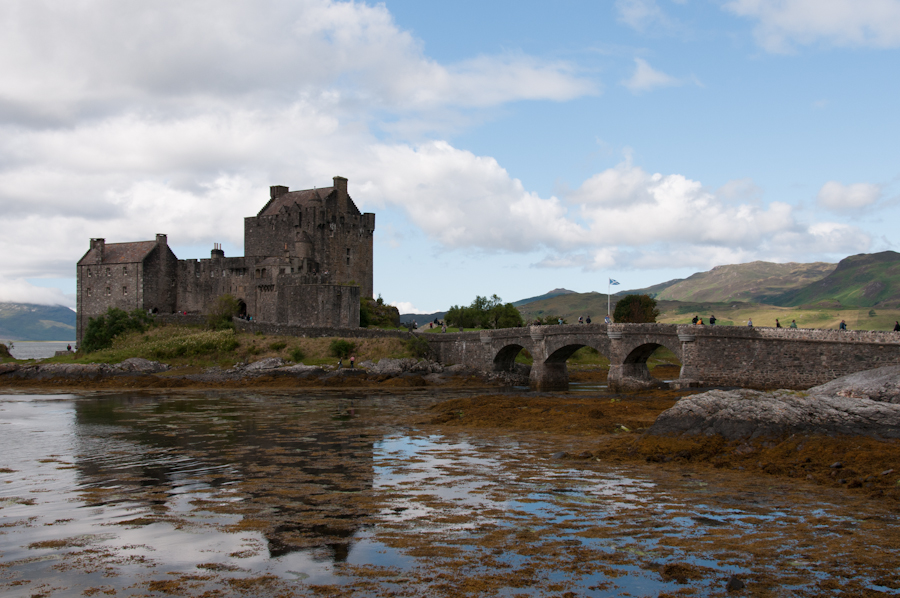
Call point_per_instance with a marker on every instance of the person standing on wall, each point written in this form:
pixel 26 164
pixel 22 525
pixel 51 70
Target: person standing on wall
pixel 843 325
pixel 712 320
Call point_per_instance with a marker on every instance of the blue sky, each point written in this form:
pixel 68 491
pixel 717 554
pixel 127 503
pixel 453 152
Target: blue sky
pixel 506 147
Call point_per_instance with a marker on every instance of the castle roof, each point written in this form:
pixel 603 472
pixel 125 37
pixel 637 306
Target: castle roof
pixel 290 198
pixel 120 253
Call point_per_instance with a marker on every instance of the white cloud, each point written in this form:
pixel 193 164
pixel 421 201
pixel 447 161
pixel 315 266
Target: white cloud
pixel 784 23
pixel 641 14
pixel 836 196
pixel 646 78
pixel 18 290
pixel 62 60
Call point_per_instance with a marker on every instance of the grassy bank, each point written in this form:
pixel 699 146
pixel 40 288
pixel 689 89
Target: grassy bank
pixel 191 346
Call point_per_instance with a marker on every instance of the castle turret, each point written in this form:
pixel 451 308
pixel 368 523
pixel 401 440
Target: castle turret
pixel 217 252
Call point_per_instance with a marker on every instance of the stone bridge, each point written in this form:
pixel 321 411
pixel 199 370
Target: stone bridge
pixel 746 357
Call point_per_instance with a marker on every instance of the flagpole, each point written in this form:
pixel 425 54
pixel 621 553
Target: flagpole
pixel 608 288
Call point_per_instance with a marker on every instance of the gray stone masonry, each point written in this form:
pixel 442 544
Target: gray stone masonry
pixel 761 358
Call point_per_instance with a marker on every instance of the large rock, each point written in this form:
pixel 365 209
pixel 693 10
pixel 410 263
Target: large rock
pixel 881 384
pixel 859 404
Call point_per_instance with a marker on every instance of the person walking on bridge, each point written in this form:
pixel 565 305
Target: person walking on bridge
pixel 793 323
pixel 694 321
pixel 712 320
pixel 843 325
pixel 896 325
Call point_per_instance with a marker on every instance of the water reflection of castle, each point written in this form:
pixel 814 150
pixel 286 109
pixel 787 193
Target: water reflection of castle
pixel 299 469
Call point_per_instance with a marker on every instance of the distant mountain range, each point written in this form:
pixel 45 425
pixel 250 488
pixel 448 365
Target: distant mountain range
pixel 858 281
pixel 28 322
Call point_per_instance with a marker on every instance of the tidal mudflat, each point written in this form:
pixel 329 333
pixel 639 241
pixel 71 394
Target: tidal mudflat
pixel 233 493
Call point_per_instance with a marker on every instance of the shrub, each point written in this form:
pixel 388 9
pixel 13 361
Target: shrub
pixel 4 352
pixel 102 330
pixel 225 308
pixel 364 316
pixel 277 346
pixel 341 348
pixel 418 347
pixel 297 354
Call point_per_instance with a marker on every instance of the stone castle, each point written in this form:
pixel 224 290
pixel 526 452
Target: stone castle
pixel 308 261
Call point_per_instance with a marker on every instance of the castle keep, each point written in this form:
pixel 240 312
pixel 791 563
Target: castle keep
pixel 308 260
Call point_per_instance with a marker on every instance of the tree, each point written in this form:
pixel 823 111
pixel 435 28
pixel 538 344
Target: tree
pixel 485 312
pixel 102 330
pixel 636 309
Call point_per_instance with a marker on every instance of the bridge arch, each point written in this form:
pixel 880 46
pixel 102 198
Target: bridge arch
pixel 505 358
pixel 632 371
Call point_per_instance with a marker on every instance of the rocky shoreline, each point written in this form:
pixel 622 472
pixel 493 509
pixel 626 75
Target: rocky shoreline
pixel 138 372
pixel 861 404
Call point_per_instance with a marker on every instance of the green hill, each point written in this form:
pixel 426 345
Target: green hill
pixel 756 281
pixel 550 295
pixel 865 280
pixel 28 322
pixel 653 291
pixel 569 305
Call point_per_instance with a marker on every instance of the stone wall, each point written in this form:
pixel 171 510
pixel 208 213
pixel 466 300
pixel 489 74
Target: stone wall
pixel 767 358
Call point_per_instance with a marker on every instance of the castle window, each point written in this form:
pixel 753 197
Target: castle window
pixel 89 292
pixel 108 292
pixel 124 269
pixel 348 256
pixel 89 272
pixel 124 290
pixel 108 272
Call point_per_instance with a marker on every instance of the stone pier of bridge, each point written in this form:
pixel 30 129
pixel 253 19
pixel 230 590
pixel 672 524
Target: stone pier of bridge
pixel 734 356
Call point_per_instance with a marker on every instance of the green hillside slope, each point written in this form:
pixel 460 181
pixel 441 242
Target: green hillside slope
pixel 865 280
pixel 569 306
pixel 756 281
pixel 550 295
pixel 653 291
pixel 27 322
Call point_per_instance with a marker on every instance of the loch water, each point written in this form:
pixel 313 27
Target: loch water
pixel 353 493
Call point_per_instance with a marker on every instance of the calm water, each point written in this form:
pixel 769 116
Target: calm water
pixel 37 349
pixel 262 494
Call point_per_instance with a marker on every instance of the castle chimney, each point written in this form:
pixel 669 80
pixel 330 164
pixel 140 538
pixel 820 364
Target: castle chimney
pixel 217 252
pixel 340 183
pixel 277 191
pixel 162 240
pixel 99 245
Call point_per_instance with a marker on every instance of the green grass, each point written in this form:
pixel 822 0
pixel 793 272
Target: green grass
pixel 183 346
